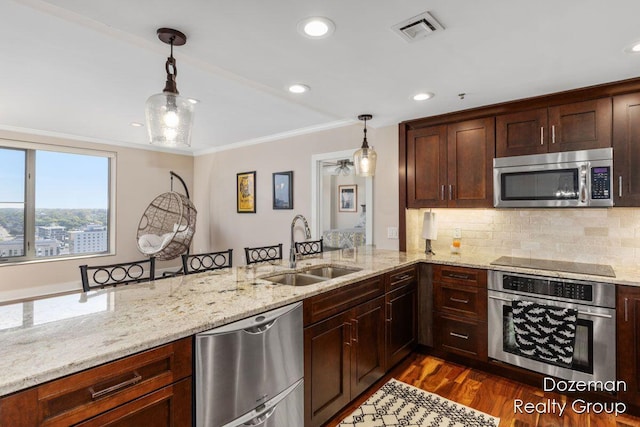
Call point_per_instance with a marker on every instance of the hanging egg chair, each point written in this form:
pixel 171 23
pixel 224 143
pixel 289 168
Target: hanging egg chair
pixel 167 225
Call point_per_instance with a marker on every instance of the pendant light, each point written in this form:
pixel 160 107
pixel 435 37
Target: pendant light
pixel 365 158
pixel 169 115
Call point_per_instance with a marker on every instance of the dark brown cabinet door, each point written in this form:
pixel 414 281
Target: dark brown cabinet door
pixel 470 152
pixel 367 350
pixel 522 133
pixel 626 149
pixel 427 167
pixel 327 368
pixel 628 347
pixel 401 323
pixel 167 407
pixel 580 126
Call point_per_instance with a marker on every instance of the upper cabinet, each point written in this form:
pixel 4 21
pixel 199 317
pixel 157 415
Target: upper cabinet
pixel 451 165
pixel 626 149
pixel 569 127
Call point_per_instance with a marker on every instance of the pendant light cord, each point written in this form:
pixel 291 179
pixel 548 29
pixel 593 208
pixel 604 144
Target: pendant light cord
pixel 364 141
pixel 172 71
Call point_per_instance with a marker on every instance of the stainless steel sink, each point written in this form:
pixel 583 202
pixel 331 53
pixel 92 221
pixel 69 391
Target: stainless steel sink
pixel 331 271
pixel 295 279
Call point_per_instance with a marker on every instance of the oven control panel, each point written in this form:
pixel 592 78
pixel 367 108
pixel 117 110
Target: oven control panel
pixel 556 288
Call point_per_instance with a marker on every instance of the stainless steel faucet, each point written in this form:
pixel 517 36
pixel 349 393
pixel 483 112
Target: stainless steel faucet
pixel 307 232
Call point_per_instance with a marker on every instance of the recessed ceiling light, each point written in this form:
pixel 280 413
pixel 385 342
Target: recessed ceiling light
pixel 316 27
pixel 193 100
pixel 136 124
pixel 299 88
pixel 633 48
pixel 422 96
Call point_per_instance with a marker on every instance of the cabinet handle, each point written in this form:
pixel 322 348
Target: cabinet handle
pixel 463 301
pixel 355 329
pixel 403 277
pixel 626 309
pixel 442 192
pixel 96 394
pixel 620 186
pixel 390 319
pixel 454 334
pixel 553 134
pixel 450 192
pixel 541 135
pixel 458 276
pixel 348 341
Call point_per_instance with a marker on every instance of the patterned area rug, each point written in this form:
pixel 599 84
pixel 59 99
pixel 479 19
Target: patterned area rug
pixel 400 404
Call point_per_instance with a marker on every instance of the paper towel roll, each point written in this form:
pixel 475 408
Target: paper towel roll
pixel 430 226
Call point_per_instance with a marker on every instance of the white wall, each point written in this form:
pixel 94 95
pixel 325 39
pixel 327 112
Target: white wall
pixel 215 190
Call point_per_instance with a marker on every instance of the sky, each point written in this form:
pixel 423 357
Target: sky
pixel 63 180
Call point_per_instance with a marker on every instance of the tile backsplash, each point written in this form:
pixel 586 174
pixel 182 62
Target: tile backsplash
pixel 604 236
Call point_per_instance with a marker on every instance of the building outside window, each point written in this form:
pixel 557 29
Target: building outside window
pixel 55 202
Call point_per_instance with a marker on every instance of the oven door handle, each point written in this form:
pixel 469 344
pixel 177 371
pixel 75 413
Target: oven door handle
pixel 584 313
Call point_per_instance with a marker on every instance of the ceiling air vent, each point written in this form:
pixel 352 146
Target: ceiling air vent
pixel 418 27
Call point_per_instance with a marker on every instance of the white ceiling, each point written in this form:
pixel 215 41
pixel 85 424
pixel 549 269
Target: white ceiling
pixel 85 68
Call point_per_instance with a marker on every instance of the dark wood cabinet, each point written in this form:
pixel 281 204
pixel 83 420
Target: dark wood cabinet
pixel 569 127
pixel 344 351
pixel 628 342
pixel 626 149
pixel 327 368
pixel 460 305
pixel 154 386
pixel 427 167
pixel 367 345
pixel 353 335
pixel 451 165
pixel 401 314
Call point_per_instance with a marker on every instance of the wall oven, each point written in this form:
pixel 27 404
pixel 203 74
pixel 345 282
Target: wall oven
pixel 593 356
pixel 567 179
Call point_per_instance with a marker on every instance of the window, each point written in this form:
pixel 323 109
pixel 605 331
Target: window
pixel 55 202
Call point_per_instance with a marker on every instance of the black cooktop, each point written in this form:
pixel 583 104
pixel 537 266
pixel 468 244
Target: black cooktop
pixel 548 264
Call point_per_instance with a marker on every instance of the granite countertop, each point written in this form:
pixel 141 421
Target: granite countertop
pixel 52 337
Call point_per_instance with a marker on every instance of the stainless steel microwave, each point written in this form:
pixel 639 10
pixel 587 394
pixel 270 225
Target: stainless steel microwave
pixel 567 179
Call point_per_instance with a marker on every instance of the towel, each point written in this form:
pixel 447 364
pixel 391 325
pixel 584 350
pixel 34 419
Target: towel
pixel 545 333
pixel 430 226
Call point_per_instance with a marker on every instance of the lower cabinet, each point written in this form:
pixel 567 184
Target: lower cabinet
pixel 460 305
pixel 402 314
pixel 628 342
pixel 352 336
pixel 152 388
pixel 344 355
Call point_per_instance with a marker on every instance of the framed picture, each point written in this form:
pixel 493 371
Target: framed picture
pixel 246 192
pixel 283 190
pixel 347 198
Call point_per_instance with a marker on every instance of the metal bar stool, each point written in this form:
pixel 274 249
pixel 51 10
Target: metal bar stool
pixel 198 263
pixel 99 276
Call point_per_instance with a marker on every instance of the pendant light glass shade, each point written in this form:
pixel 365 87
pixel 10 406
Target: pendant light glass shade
pixel 169 115
pixel 365 158
pixel 169 119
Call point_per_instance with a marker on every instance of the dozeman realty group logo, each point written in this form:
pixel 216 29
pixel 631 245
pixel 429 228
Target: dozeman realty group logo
pixel 578 405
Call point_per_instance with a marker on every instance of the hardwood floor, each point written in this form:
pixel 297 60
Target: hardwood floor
pixel 488 393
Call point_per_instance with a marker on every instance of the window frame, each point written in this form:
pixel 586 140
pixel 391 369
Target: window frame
pixel 30 249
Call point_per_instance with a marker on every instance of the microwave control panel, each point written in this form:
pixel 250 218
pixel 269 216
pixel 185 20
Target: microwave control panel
pixel 600 182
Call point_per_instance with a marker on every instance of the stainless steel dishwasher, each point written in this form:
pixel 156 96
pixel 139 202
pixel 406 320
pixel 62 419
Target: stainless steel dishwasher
pixel 250 372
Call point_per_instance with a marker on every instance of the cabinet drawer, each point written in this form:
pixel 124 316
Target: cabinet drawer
pixel 80 396
pixel 402 277
pixel 460 275
pixel 333 302
pixel 461 336
pixel 461 300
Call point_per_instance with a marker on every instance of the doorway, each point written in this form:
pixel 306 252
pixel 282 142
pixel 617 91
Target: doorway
pixel 341 203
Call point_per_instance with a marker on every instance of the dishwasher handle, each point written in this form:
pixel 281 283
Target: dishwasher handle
pixel 261 418
pixel 253 325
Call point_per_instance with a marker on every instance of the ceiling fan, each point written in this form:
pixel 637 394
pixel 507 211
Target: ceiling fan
pixel 340 167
